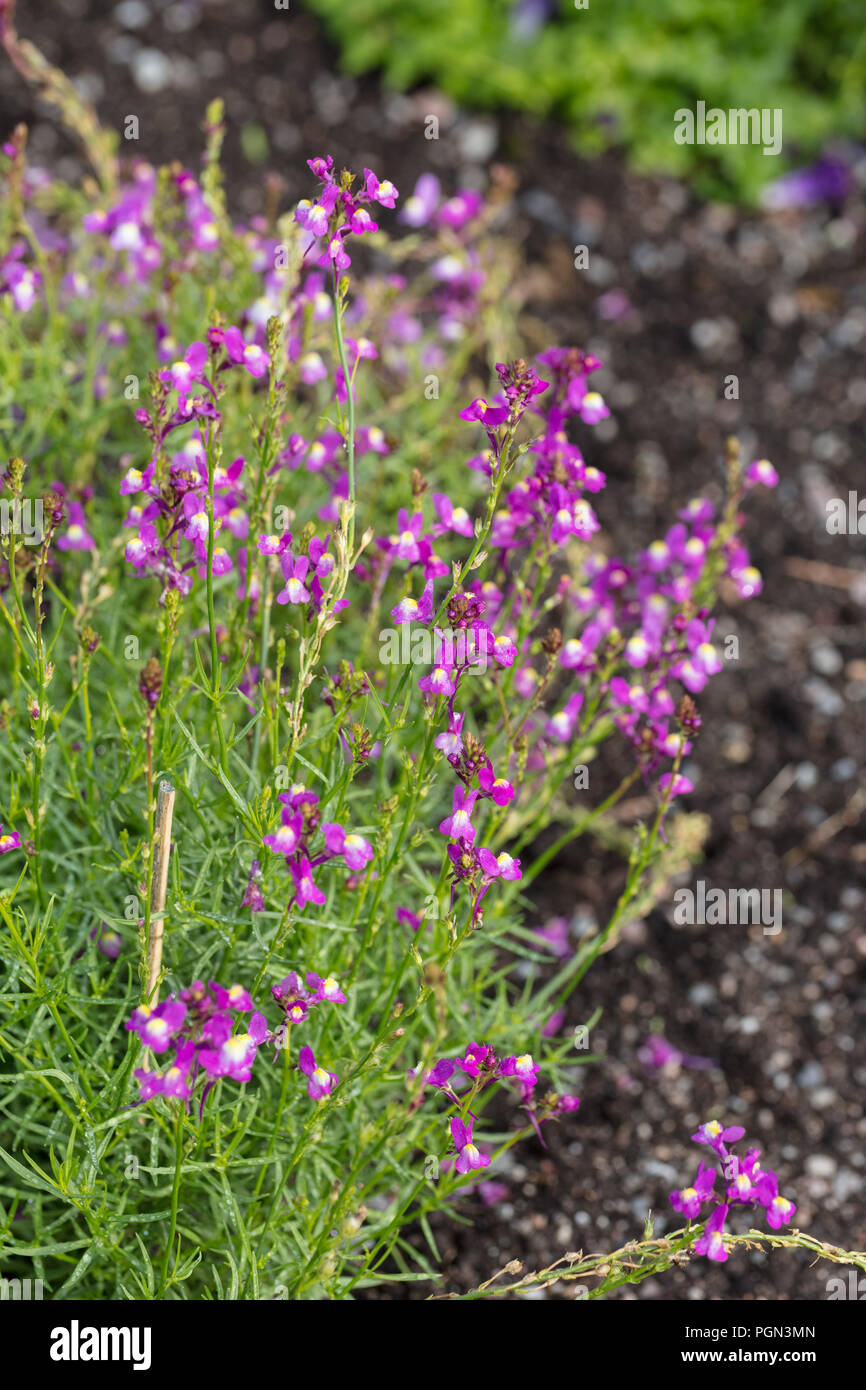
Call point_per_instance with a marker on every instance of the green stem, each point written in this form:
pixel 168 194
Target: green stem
pixel 175 1194
pixel 350 403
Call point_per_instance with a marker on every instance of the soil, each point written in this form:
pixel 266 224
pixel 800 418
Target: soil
pixel 678 296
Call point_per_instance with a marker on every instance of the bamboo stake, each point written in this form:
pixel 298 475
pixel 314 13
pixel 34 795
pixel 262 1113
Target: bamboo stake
pixel 159 885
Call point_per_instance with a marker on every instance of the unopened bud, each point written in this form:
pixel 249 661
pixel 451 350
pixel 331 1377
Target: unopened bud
pixel 150 683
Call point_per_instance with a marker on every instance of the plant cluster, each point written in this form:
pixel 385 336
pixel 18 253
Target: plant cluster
pixel 312 460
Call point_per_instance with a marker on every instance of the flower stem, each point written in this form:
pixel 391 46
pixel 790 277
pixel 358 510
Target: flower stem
pixel 175 1194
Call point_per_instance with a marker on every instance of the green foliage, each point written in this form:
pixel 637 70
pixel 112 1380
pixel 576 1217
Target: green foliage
pixel 258 1191
pixel 267 1194
pixel 618 70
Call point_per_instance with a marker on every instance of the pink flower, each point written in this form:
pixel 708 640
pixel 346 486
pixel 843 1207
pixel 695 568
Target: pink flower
pixel 498 865
pixel 469 1157
pixel 252 358
pixel 437 682
pixel 235 1054
pixel 459 825
pixel 354 848
pixel 326 988
pixel 410 610
pixel 11 840
pixel 452 518
pixel 287 837
pixel 688 1199
pixel 156 1027
pixel 181 375
pixel 681 785
pixel 504 651
pixel 423 201
pixel 489 415
pixel 294 573
pixel 76 536
pixel 479 1058
pixel 499 789
pixel 451 742
pixel 306 891
pixel 320 1083
pixel 382 191
pixel 779 1209
pixel 761 471
pixel 711 1243
pixel 235 997
pixel 522 1068
pixel 171 1082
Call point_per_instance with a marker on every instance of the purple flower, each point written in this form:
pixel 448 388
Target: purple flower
pixel 827 180
pixel 76 536
pixel 336 254
pixel 422 202
pixel 181 375
pixel 499 865
pixel 746 1185
pixel 354 848
pixel 411 919
pixel 679 785
pixel 235 1054
pixel 306 890
pixel 382 191
pixel 522 1068
pixel 688 1199
pixel 405 542
pixel 158 1026
pixel 174 1081
pixel 489 415
pixel 761 471
pixel 715 1135
pixel 492 1192
pixel 556 934
pixel 451 742
pixel 458 826
pixel 109 942
pixel 468 1156
pixel 499 789
pixel 452 518
pixel 326 988
pixel 11 840
pixel 252 358
pixel 252 898
pixel 410 610
pixel 437 682
pixel 200 1030
pixel 711 1243
pixel 441 1074
pixel 657 1052
pixel 287 837
pixel 320 1083
pixel 294 573
pixel 294 1000
pixel 479 1060
pixel 235 997
pixel 779 1209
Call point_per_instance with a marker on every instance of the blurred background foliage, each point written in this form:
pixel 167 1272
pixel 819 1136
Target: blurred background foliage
pixel 616 71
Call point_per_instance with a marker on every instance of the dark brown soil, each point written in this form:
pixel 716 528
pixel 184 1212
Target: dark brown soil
pixel 779 302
